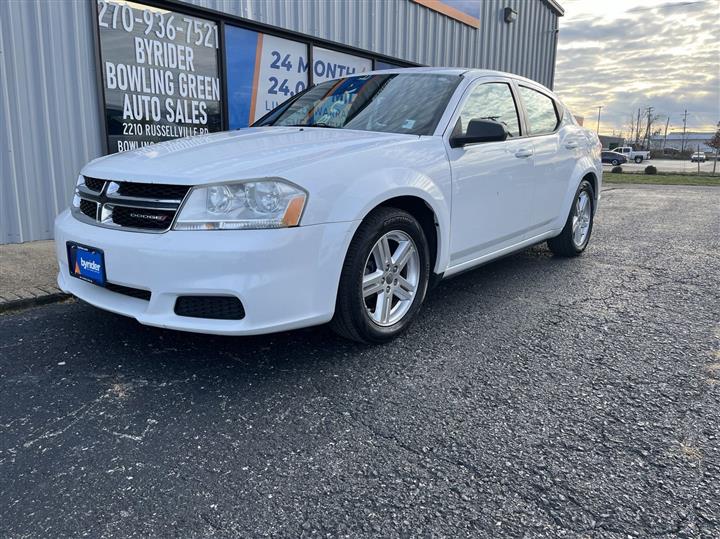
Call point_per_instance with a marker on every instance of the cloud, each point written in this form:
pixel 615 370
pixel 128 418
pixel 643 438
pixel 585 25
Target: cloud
pixel 628 56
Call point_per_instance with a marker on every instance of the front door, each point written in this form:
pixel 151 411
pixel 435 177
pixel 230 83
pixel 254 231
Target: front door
pixel 492 182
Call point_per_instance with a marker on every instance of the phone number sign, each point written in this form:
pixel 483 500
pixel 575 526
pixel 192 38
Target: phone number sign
pixel 160 74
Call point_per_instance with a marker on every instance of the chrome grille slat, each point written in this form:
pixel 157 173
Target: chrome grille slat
pixel 94 184
pixel 152 214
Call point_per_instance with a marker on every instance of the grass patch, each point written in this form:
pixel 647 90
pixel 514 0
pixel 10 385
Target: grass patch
pixel 661 178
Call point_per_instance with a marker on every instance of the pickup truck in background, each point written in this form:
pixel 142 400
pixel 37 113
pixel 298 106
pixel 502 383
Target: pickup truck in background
pixel 632 155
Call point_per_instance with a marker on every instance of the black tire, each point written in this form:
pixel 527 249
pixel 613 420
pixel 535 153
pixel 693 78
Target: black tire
pixel 615 162
pixel 563 245
pixel 638 159
pixel 351 319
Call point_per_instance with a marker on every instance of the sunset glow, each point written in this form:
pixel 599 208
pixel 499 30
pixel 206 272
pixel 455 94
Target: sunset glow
pixel 629 54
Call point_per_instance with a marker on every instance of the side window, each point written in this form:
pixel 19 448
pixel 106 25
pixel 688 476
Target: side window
pixel 491 101
pixel 541 112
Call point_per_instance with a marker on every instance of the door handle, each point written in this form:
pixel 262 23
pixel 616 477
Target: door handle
pixel 571 145
pixel 523 152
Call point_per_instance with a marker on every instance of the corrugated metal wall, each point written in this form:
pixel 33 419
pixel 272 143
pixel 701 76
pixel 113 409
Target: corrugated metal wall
pixel 49 115
pixel 49 123
pixel 412 32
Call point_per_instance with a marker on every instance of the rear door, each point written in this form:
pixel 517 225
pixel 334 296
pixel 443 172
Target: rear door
pixel 492 189
pixel 556 148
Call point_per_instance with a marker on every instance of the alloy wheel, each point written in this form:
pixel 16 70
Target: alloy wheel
pixel 391 278
pixel 581 219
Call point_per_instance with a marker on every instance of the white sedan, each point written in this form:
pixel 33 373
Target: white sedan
pixel 343 205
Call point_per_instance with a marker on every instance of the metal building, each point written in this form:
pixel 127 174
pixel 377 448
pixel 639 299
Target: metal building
pixel 80 79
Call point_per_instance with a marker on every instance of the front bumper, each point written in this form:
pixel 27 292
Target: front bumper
pixel 285 278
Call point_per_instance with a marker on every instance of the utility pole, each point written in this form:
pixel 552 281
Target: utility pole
pixel 667 123
pixel 682 144
pixel 637 129
pixel 717 153
pixel 647 129
pixel 598 122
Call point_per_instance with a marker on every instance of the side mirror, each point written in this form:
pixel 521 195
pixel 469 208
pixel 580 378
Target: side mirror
pixel 480 131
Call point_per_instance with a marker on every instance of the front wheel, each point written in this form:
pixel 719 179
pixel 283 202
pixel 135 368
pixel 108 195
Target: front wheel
pixel 576 234
pixel 615 162
pixel 384 278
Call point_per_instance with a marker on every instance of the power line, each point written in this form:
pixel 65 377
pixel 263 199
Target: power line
pixel 636 10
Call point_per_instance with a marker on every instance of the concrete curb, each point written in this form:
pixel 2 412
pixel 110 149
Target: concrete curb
pixel 30 297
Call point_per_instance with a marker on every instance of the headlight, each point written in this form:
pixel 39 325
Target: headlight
pixel 75 206
pixel 264 203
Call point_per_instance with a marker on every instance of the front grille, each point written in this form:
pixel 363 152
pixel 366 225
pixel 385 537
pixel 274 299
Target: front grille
pixel 213 307
pixel 142 218
pixel 128 291
pixel 94 184
pixel 153 190
pixel 148 207
pixel 89 208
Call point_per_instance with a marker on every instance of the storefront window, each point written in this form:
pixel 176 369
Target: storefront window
pixel 262 71
pixel 160 74
pixel 380 65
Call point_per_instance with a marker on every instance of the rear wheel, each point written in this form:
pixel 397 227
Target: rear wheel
pixel 638 159
pixel 615 162
pixel 576 234
pixel 384 277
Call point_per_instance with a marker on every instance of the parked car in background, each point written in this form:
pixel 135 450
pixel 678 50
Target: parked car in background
pixel 613 158
pixel 633 155
pixel 334 207
pixel 697 157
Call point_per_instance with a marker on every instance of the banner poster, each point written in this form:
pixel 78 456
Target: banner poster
pixel 264 70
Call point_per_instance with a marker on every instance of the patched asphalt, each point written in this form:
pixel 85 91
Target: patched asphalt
pixel 535 396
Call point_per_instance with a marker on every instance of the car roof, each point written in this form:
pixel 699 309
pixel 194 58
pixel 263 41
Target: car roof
pixel 460 71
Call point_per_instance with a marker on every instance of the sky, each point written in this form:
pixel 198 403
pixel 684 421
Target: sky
pixel 626 54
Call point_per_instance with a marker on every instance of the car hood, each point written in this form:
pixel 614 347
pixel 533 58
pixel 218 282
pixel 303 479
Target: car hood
pixel 245 153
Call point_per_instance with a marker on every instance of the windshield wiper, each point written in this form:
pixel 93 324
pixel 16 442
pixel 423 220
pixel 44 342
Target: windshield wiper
pixel 318 124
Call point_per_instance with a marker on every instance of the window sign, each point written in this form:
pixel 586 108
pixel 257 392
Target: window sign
pixel 160 74
pixel 329 64
pixel 262 71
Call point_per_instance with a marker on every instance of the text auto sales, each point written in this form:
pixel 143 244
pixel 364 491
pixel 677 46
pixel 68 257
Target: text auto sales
pixel 150 76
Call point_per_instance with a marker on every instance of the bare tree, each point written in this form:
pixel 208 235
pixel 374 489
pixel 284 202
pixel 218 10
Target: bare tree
pixel 715 144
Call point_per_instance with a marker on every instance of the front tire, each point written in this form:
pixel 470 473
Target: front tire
pixel 384 278
pixel 615 162
pixel 575 236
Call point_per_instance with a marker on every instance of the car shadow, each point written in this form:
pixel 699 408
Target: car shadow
pixel 144 349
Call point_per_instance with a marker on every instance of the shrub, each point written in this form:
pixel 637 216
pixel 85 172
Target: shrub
pixel 650 170
pixel 617 170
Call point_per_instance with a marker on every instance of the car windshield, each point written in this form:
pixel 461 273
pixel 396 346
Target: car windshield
pixel 391 103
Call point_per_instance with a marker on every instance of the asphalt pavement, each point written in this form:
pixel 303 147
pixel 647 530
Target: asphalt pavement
pixel 535 396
